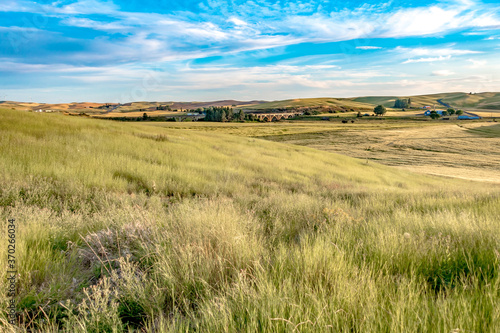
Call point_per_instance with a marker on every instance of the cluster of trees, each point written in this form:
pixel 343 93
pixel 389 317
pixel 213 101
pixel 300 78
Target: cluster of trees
pixel 449 112
pixel 435 115
pixel 164 107
pixel 223 114
pixel 402 103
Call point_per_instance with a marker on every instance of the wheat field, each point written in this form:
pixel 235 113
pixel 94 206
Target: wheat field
pixel 166 227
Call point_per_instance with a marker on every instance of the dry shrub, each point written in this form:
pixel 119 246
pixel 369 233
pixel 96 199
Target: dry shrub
pixel 111 244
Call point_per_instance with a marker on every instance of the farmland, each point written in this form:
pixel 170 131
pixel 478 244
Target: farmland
pixel 305 225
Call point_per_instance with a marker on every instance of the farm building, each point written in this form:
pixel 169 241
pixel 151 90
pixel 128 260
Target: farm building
pixel 428 112
pixel 468 117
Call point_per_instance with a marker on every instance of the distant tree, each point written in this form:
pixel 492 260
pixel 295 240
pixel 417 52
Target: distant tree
pixel 359 114
pixel 379 110
pixel 459 112
pixel 409 102
pixel 401 103
pixel 229 114
pixel 445 113
pixel 435 115
pixel 241 115
pixel 217 115
pixel 145 116
pixel 451 111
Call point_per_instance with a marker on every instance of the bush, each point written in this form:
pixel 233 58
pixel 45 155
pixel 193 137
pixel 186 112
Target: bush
pixel 379 110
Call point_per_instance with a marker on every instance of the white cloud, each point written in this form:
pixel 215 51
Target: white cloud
pixel 477 63
pixel 86 7
pixel 443 72
pixel 87 23
pixel 368 47
pixel 424 54
pixel 237 21
pixel 19 29
pixel 431 59
pixel 426 51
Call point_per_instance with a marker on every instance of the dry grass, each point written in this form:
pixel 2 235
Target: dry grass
pixel 182 227
pixel 459 149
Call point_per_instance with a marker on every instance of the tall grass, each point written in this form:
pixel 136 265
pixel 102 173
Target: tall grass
pixel 121 231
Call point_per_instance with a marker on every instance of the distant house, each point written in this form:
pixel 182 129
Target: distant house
pixel 428 112
pixel 426 107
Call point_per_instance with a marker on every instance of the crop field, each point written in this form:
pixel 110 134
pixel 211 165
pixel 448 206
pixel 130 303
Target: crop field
pixel 452 149
pixel 250 227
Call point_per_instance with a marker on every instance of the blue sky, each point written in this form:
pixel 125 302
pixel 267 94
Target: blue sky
pixel 158 50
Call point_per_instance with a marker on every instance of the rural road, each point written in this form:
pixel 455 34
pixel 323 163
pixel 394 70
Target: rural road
pixel 440 101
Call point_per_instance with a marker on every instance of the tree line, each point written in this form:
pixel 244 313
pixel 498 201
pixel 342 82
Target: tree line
pixel 223 114
pixel 402 103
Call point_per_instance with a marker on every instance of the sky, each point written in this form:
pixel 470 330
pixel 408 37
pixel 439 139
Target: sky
pixel 203 50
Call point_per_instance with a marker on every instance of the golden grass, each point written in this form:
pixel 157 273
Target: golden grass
pixel 202 227
pixel 139 114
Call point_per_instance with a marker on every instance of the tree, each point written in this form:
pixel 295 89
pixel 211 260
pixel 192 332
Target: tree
pixel 445 113
pixel 379 110
pixel 459 112
pixel 401 103
pixel 451 111
pixel 435 115
pixel 241 115
pixel 145 116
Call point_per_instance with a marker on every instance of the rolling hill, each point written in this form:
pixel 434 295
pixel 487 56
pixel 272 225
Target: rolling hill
pixel 488 100
pixel 479 101
pixel 123 227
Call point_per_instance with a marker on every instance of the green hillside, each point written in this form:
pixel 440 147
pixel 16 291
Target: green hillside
pixel 463 100
pixel 125 227
pixel 336 103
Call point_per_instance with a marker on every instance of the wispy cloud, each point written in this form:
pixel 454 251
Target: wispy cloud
pixel 427 51
pixel 477 63
pixel 368 47
pixel 423 54
pixel 430 59
pixel 443 72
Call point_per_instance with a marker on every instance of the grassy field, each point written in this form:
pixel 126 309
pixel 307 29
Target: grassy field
pixel 313 102
pixel 482 104
pixel 456 149
pixel 177 227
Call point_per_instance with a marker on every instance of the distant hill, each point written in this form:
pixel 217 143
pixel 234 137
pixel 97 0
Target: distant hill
pixel 127 107
pixel 150 106
pixel 488 100
pixel 479 101
pixel 335 103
